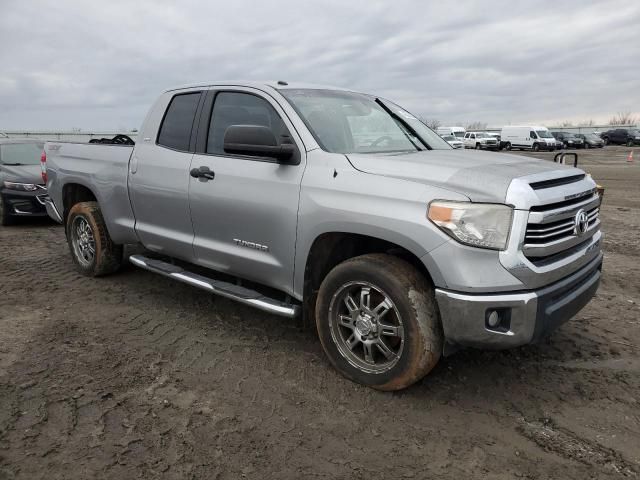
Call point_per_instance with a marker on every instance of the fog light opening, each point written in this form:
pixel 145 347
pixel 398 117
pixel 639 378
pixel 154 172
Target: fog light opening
pixel 498 319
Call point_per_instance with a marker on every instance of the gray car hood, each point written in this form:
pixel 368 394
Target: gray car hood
pixel 481 176
pixel 21 173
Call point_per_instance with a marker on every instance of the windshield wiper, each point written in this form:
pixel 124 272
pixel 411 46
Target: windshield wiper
pixel 411 130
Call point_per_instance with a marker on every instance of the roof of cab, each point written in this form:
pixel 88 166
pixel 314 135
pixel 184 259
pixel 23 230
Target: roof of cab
pixel 4 140
pixel 275 84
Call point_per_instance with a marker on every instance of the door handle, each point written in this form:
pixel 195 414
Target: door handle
pixel 202 173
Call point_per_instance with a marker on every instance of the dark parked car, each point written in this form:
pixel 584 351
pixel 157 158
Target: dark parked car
pixel 622 136
pixel 22 190
pixel 559 144
pixel 591 140
pixel 569 140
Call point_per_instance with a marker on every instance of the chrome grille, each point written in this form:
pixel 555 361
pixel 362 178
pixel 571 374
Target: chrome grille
pixel 558 230
pixel 551 228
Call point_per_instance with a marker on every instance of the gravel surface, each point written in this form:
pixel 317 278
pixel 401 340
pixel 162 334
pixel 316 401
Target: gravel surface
pixel 134 376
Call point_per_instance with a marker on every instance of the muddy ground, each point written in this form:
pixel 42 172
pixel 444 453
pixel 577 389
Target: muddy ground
pixel 134 376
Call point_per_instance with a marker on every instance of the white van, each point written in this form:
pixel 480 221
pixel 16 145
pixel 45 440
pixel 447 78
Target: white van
pixel 457 132
pixel 529 137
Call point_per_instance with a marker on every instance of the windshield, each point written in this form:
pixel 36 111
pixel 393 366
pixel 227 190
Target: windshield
pixel 449 138
pixel 346 122
pixel 21 153
pixel 459 134
pixel 544 134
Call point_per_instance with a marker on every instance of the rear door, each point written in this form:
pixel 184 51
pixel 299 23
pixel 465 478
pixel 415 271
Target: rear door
pixel 624 135
pixel 245 217
pixel 619 135
pixel 159 175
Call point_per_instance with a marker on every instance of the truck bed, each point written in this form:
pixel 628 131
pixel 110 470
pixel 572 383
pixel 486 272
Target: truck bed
pixel 102 170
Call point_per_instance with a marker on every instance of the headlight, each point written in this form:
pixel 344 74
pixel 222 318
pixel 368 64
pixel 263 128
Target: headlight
pixel 483 225
pixel 24 187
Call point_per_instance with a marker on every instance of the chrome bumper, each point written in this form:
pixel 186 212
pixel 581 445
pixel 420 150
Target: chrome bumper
pixel 52 211
pixel 525 317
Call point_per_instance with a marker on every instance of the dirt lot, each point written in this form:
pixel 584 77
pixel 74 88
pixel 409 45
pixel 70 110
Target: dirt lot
pixel 133 376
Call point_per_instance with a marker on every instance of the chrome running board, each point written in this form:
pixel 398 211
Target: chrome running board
pixel 218 287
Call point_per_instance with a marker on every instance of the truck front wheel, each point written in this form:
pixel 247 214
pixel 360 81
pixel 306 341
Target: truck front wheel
pixel 378 322
pixel 92 249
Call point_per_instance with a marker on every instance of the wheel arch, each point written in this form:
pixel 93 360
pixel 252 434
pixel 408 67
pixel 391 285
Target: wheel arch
pixel 73 193
pixel 332 248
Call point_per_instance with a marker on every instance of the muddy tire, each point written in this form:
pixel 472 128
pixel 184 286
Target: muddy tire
pixel 378 322
pixel 507 146
pixel 92 249
pixel 5 218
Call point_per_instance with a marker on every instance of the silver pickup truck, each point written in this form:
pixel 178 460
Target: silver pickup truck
pixel 344 208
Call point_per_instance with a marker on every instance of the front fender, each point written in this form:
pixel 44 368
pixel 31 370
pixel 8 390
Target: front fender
pixel 335 197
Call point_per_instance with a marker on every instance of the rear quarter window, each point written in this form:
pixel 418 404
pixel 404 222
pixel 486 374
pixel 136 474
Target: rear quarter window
pixel 175 131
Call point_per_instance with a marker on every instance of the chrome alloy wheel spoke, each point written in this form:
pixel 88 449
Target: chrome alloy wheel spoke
pixel 363 338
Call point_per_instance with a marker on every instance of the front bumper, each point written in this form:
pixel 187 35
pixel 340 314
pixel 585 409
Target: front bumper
pixel 24 204
pixel 525 317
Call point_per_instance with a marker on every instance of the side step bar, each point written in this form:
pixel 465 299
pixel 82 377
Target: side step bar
pixel 218 287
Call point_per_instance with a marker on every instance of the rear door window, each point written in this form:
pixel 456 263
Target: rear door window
pixel 175 131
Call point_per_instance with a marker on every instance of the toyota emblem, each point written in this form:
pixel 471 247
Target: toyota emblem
pixel 581 223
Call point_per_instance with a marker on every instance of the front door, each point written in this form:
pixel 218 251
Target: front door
pixel 245 211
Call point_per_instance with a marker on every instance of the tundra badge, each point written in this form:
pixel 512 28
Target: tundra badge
pixel 254 245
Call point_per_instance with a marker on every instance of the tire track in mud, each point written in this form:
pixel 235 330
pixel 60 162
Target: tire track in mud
pixel 565 443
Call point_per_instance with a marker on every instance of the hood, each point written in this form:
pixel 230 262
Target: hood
pixel 21 173
pixel 481 176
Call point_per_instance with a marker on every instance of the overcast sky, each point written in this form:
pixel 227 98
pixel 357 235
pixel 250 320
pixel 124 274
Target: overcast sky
pixel 99 64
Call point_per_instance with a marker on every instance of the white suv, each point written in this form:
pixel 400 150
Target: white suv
pixel 480 140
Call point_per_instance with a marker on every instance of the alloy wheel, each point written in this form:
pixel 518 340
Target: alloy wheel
pixel 83 241
pixel 366 327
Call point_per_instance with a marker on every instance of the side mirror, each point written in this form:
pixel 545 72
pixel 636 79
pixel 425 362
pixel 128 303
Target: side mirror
pixel 257 141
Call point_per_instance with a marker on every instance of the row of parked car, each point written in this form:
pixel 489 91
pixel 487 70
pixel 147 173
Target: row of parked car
pixel 22 189
pixel 536 137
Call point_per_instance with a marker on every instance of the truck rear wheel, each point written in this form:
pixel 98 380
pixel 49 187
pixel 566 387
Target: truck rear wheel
pixel 378 322
pixel 92 249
